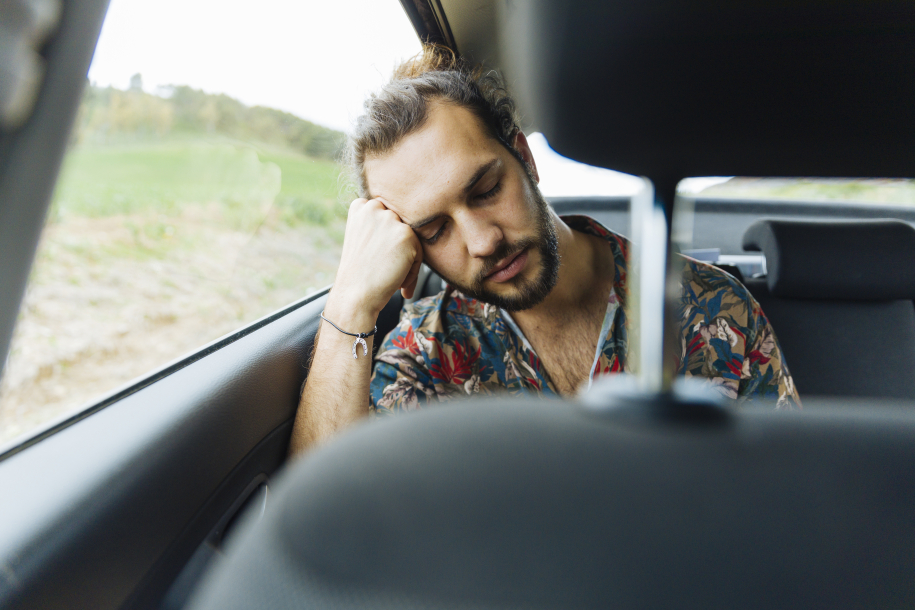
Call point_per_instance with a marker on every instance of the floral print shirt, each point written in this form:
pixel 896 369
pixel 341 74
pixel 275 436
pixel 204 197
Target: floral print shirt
pixel 451 346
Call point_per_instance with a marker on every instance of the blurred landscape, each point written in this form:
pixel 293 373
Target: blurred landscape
pixel 177 218
pixel 870 190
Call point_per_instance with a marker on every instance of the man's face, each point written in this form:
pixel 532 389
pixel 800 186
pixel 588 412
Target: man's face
pixel 484 226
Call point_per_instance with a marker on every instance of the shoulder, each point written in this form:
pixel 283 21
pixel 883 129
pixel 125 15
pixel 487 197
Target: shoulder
pixel 709 278
pixel 710 287
pixel 586 224
pixel 432 353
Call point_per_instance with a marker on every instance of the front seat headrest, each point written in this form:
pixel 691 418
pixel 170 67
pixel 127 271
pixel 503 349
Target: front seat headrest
pixel 861 260
pixel 532 503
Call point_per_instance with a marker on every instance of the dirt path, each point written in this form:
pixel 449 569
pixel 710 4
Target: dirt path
pixel 113 298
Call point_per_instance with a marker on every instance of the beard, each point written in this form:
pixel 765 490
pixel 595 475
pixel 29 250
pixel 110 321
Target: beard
pixel 528 292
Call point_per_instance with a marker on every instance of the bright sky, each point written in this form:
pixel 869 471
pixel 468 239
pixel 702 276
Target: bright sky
pixel 315 59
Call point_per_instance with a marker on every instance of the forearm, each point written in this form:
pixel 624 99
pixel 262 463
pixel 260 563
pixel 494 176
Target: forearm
pixel 380 255
pixel 336 392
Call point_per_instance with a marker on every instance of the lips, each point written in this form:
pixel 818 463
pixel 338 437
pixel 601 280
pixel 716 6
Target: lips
pixel 510 268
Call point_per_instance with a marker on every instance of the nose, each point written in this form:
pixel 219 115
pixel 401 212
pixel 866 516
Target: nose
pixel 481 235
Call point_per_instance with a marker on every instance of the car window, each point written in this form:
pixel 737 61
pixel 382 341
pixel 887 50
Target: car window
pixel 857 190
pixel 200 190
pixel 715 212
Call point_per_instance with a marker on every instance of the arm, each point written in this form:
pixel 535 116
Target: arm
pixel 728 340
pixel 765 374
pixel 380 255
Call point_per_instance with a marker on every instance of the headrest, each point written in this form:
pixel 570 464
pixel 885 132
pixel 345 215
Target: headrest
pixel 675 88
pixel 845 260
pixel 539 504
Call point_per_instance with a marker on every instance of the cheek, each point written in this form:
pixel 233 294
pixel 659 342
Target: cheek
pixel 449 259
pixel 518 211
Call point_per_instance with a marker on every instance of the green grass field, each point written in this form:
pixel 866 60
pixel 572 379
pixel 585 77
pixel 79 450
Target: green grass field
pixel 245 182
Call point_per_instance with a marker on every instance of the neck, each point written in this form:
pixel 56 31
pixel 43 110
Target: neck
pixel 586 274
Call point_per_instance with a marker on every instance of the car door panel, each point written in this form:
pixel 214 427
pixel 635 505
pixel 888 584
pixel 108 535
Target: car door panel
pixel 105 512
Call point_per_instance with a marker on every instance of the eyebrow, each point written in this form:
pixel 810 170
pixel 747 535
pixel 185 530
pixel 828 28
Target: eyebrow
pixel 477 176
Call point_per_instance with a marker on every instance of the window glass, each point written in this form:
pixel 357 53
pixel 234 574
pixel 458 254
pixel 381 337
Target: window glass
pixel 858 190
pixel 200 191
pixel 715 212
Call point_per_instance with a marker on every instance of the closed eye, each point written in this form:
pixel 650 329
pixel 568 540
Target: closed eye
pixel 482 196
pixel 491 192
pixel 434 238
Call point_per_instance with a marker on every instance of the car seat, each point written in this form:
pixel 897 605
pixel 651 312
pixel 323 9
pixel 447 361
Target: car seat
pixel 839 296
pixel 614 504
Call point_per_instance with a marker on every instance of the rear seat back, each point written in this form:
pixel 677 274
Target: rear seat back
pixel 839 295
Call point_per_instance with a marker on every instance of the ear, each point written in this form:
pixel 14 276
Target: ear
pixel 521 145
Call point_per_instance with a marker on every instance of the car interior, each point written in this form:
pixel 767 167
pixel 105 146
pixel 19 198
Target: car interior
pixel 176 491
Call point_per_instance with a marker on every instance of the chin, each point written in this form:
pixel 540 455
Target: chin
pixel 518 294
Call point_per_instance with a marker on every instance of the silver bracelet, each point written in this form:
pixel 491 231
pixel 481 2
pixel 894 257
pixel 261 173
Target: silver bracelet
pixel 360 337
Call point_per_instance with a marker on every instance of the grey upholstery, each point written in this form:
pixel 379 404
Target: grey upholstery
pixel 844 348
pixel 838 295
pixel 846 260
pixel 811 88
pixel 542 505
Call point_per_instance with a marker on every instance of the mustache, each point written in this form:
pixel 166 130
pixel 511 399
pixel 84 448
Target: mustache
pixel 502 252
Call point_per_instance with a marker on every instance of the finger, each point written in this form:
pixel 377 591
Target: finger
pixel 417 246
pixel 354 208
pixel 385 206
pixel 409 284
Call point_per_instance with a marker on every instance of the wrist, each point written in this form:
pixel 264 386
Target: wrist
pixel 350 315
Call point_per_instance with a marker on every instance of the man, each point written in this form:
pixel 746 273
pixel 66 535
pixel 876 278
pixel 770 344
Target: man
pixel 534 303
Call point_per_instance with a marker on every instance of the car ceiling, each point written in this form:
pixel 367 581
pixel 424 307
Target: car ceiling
pixel 678 88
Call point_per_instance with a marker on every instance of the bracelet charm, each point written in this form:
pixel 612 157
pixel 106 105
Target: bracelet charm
pixel 360 338
pixel 365 347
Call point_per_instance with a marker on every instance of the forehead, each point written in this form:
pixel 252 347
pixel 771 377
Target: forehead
pixel 431 166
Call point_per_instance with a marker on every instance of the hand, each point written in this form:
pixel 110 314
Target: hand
pixel 380 254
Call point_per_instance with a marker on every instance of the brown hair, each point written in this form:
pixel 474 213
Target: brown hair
pixel 400 107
